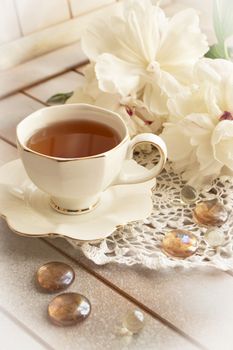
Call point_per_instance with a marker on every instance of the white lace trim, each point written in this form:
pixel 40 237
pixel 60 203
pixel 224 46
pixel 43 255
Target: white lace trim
pixel 140 242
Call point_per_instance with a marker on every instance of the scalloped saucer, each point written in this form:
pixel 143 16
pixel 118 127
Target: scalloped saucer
pixel 27 210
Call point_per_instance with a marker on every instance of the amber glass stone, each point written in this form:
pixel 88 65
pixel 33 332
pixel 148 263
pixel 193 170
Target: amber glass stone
pixel 210 213
pixel 180 243
pixel 67 309
pixel 55 276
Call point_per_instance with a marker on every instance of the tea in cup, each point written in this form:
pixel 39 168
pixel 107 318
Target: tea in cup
pixel 75 152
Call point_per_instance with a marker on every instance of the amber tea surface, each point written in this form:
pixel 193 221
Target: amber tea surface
pixel 74 139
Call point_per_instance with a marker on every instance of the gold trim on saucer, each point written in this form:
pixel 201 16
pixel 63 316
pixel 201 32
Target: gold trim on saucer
pixel 33 233
pixel 72 211
pixel 48 235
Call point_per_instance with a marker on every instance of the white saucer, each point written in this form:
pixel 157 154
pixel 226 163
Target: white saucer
pixel 27 210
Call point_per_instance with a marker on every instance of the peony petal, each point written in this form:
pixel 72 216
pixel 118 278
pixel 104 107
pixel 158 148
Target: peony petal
pixel 205 71
pixel 145 38
pixel 91 87
pixel 213 101
pixel 89 72
pixel 108 101
pixel 177 142
pixel 126 36
pixel 182 42
pixel 79 96
pixel 209 166
pixel 223 130
pixel 197 127
pixel 221 67
pixel 216 78
pixel 222 141
pixel 96 39
pixel 155 99
pixel 181 72
pixel 117 76
pixel 211 169
pixel 184 104
pixel 229 92
pixel 169 84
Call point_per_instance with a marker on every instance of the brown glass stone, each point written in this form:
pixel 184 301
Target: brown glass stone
pixel 180 243
pixel 210 213
pixel 55 276
pixel 67 309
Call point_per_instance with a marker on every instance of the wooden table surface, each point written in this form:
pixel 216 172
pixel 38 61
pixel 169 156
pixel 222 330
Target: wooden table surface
pixel 184 309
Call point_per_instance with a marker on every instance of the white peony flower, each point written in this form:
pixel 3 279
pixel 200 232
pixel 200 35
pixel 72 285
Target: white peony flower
pixel 135 114
pixel 199 135
pixel 143 54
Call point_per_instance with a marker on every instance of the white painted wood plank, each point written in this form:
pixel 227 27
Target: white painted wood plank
pixel 50 39
pixel 63 83
pixel 81 68
pixel 20 259
pixel 16 107
pixel 12 110
pixel 40 68
pixel 7 152
pixel 35 15
pixel 197 301
pixel 9 28
pixel 80 7
pixel 12 336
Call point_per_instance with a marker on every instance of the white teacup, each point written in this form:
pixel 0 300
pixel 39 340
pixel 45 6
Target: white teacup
pixel 75 184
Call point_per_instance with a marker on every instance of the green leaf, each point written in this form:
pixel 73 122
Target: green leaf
pixel 216 51
pixel 60 98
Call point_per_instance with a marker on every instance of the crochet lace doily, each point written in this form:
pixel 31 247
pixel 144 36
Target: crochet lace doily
pixel 140 242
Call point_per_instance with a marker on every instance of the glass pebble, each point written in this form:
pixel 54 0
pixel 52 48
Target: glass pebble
pixel 188 194
pixel 214 237
pixel 134 321
pixel 180 243
pixel 210 213
pixel 55 276
pixel 68 309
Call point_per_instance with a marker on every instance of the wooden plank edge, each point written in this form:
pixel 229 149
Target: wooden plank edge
pixel 42 79
pixel 49 39
pixel 25 329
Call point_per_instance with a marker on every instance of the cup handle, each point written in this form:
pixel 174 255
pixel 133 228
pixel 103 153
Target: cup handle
pixel 131 178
